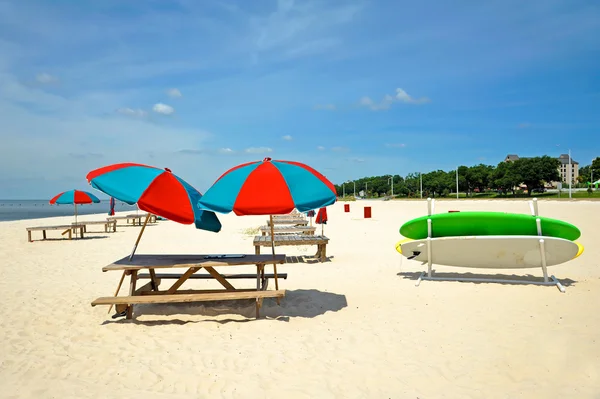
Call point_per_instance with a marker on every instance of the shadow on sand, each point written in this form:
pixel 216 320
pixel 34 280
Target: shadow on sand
pixel 508 278
pixel 296 303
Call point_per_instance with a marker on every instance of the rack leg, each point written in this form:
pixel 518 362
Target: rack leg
pixel 543 256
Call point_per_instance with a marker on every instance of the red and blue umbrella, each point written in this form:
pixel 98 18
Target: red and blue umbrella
pixel 111 211
pixel 156 191
pixel 74 197
pixel 269 188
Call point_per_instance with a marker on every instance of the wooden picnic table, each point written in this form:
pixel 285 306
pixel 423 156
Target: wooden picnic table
pixel 67 229
pixel 291 221
pixel 283 229
pixel 150 293
pixel 304 239
pixel 133 217
pixel 109 225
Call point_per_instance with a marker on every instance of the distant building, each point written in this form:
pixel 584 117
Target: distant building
pixel 563 169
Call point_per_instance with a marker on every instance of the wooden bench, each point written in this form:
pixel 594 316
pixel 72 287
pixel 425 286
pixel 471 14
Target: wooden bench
pixel 150 293
pixel 67 229
pixel 290 221
pixel 282 240
pixel 281 229
pixel 109 225
pixel 133 218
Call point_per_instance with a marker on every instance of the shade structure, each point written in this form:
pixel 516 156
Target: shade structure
pixel 269 187
pixel 321 216
pixel 111 211
pixel 154 190
pixel 74 197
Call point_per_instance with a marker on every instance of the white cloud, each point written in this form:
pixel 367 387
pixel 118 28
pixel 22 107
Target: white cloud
pixel 174 93
pixel 387 101
pixel 258 150
pixel 139 113
pixel 46 78
pixel 225 151
pixel 287 137
pixel 355 160
pixel 326 107
pixel 395 145
pixel 320 148
pixel 164 109
pixel 403 96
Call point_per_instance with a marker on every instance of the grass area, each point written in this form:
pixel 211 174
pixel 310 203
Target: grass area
pixel 564 195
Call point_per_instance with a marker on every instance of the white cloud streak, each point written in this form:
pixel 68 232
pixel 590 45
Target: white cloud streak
pixel 258 150
pixel 163 109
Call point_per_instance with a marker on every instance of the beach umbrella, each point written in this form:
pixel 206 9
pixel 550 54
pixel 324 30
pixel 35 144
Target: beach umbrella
pixel 156 191
pixel 269 187
pixel 74 197
pixel 322 218
pixel 111 211
pixel 311 214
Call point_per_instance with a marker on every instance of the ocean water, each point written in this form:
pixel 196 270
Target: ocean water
pixel 34 209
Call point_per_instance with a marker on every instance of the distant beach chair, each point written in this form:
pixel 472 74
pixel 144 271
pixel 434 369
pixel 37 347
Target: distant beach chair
pixel 109 225
pixel 67 229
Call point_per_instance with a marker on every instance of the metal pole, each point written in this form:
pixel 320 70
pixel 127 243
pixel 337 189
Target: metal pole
pixel 457 183
pixel 421 179
pixel 570 177
pixel 343 190
pixel 354 189
pixel 366 189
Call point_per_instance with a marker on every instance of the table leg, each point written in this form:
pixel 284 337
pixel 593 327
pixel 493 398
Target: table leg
pixel 131 292
pixel 118 288
pixel 44 234
pixel 29 236
pixel 153 280
pixel 182 279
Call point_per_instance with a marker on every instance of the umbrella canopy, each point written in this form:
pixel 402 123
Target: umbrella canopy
pixel 267 188
pixel 154 190
pixel 321 216
pixel 74 197
pixel 111 211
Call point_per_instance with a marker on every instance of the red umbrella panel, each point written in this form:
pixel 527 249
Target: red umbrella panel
pixel 321 218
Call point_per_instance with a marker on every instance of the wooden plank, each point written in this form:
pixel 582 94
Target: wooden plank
pixel 220 296
pixel 209 291
pixel 219 278
pixel 166 276
pixel 37 228
pixel 143 261
pixel 182 279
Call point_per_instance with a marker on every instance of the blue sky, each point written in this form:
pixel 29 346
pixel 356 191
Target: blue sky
pixel 353 88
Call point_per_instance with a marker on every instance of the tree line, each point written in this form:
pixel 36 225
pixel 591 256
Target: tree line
pixel 505 179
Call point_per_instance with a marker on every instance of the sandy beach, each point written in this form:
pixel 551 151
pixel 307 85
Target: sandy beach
pixel 353 327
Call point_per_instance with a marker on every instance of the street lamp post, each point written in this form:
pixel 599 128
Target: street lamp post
pixel 457 182
pixel 366 189
pixel 344 190
pixel 421 179
pixel 392 179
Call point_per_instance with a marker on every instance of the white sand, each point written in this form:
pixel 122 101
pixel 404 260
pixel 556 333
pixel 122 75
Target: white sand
pixel 350 328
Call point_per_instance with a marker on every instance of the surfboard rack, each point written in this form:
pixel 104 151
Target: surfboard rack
pixel 548 281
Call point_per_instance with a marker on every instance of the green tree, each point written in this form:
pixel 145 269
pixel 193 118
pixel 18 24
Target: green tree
pixel 479 176
pixel 534 171
pixel 505 177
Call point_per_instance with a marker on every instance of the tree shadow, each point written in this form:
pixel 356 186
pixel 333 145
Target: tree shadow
pixel 517 278
pixel 296 303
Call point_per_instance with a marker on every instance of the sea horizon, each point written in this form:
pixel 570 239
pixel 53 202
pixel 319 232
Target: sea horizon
pixel 11 210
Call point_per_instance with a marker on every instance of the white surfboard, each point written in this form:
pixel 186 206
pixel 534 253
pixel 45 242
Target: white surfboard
pixel 494 252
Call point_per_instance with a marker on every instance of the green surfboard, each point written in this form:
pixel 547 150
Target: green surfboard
pixel 487 223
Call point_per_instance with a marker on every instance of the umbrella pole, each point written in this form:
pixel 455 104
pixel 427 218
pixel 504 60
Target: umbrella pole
pixel 273 251
pixel 75 218
pixel 139 236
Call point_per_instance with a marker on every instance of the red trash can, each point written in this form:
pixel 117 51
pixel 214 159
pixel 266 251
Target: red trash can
pixel 346 207
pixel 367 212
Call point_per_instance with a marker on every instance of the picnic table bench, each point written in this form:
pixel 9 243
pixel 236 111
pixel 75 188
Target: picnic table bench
pixel 292 221
pixel 281 229
pixel 281 240
pixel 150 293
pixel 133 218
pixel 67 229
pixel 109 225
